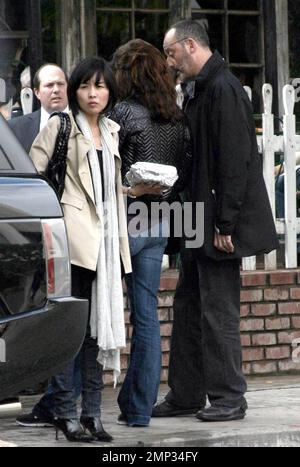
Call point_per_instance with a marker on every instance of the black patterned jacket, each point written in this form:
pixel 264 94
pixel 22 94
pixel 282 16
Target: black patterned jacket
pixel 145 140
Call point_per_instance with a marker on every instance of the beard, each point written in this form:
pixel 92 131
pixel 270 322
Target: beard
pixel 185 67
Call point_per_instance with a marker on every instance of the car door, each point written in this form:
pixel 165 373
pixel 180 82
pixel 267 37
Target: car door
pixel 42 326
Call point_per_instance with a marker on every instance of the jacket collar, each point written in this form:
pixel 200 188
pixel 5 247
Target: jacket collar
pixel 34 115
pixel 212 67
pixel 113 126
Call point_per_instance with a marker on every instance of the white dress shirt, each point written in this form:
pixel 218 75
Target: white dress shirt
pixel 45 117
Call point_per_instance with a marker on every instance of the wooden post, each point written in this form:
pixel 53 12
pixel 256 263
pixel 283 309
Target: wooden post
pixel 283 64
pixel 26 100
pixel 276 48
pixel 268 161
pixel 35 43
pixel 34 24
pixel 289 131
pixel 88 28
pixel 70 34
pixel 180 9
pixel 78 31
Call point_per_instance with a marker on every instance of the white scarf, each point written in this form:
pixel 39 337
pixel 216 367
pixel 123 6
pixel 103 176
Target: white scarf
pixel 107 306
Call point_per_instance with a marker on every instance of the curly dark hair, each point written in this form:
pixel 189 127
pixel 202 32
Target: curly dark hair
pixel 142 74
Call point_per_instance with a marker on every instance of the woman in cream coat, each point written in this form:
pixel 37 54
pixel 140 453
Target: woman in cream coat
pixel 92 202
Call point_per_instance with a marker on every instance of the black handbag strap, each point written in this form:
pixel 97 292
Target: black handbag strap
pixel 57 167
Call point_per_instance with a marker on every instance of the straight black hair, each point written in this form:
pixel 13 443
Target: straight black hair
pixel 85 71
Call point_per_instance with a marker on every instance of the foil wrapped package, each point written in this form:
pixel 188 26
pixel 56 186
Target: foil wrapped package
pixel 148 172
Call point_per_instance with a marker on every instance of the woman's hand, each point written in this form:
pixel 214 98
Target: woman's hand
pixel 146 189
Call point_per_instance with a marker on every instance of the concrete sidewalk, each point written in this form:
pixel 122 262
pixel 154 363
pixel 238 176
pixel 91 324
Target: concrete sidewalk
pixel 273 419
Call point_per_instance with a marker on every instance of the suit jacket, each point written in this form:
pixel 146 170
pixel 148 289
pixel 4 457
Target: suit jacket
pixel 26 128
pixel 78 200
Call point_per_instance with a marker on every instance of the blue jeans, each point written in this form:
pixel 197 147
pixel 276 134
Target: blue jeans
pixel 45 406
pixel 92 384
pixel 280 193
pixel 279 197
pixel 91 371
pixel 140 388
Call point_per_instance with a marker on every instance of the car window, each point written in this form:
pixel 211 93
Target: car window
pixel 4 162
pixel 3 240
pixel 13 158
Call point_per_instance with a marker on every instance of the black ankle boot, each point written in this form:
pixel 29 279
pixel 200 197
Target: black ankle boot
pixel 72 430
pixel 95 427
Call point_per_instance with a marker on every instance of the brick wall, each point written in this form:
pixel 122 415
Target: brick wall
pixel 270 322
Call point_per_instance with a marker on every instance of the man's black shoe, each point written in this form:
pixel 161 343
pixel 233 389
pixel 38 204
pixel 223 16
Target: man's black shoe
pixel 167 409
pixel 222 414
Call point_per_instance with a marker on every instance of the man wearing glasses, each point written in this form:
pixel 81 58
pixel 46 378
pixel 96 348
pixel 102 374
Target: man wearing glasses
pixel 206 357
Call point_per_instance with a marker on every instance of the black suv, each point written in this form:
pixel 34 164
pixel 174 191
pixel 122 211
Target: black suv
pixel 41 325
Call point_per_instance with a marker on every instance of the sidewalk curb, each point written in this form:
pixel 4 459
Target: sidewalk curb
pixel 278 439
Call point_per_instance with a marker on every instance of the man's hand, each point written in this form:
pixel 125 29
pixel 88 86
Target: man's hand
pixel 224 243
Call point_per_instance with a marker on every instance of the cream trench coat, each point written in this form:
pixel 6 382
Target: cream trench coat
pixel 78 200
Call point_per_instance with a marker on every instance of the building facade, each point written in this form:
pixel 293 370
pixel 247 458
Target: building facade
pixel 252 35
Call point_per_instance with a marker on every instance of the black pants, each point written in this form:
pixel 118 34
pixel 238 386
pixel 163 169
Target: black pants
pixel 206 357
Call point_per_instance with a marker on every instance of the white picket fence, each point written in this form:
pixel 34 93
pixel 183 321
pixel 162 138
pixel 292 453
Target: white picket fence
pixel 26 97
pixel 287 143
